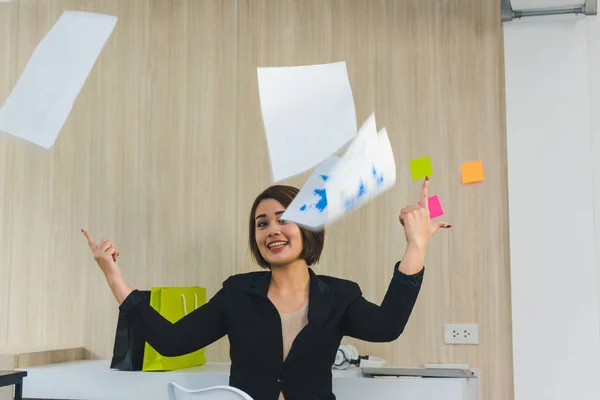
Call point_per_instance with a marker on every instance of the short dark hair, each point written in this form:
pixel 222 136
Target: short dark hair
pixel 312 241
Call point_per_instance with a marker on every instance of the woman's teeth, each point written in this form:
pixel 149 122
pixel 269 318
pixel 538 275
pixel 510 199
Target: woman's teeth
pixel 276 245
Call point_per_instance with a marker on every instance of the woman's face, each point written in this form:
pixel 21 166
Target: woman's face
pixel 279 242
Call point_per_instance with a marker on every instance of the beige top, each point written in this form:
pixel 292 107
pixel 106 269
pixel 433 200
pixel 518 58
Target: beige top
pixel 291 325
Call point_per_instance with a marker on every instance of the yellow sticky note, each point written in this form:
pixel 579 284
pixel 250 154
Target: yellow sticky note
pixel 472 171
pixel 420 168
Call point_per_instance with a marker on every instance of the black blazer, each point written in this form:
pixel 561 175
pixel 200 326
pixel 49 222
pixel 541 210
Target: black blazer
pixel 241 310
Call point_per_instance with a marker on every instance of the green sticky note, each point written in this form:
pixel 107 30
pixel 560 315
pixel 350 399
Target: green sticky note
pixel 420 168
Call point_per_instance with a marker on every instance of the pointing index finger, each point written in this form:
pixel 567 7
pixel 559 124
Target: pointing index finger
pixel 425 193
pixel 90 240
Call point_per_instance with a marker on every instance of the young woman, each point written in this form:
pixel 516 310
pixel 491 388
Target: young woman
pixel 285 323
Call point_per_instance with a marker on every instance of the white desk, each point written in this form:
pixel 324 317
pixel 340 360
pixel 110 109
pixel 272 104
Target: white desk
pixel 94 380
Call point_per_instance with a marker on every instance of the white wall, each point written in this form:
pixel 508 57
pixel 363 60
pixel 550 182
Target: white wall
pixel 555 307
pixel 593 41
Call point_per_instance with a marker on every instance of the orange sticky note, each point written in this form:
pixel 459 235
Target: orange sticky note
pixel 472 171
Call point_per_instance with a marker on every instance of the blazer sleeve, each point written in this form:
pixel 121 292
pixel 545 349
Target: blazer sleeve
pixel 195 331
pixel 383 323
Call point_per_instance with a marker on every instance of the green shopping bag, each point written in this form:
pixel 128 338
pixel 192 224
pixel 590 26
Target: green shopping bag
pixel 174 303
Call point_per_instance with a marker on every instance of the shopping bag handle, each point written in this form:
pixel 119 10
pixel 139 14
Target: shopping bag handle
pixel 185 303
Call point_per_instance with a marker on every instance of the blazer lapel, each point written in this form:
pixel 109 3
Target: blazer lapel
pixel 321 301
pixel 260 286
pixel 320 304
pixel 268 325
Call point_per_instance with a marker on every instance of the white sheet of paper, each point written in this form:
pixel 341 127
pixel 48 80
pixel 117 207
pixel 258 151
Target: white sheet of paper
pixel 359 177
pixel 42 99
pixel 361 147
pixel 309 207
pixel 308 114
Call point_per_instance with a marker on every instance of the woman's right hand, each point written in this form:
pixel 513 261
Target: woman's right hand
pixel 105 253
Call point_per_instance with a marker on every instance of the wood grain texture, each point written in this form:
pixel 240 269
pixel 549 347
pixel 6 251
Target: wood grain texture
pixel 177 134
pixel 8 17
pixel 13 359
pixel 432 72
pixel 134 162
pixel 165 151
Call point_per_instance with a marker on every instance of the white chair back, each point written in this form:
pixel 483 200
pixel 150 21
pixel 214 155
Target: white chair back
pixel 178 392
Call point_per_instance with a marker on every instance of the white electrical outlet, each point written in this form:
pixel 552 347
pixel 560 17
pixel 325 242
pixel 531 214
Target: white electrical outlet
pixel 461 334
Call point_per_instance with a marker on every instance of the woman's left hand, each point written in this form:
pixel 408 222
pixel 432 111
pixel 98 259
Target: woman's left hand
pixel 417 224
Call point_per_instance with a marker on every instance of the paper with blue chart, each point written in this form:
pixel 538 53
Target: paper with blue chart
pixel 340 185
pixel 308 114
pixel 366 170
pixel 309 207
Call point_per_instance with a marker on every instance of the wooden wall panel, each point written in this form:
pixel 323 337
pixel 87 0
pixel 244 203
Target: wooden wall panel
pixel 177 210
pixel 165 151
pixel 134 162
pixel 432 72
pixel 271 34
pixel 8 23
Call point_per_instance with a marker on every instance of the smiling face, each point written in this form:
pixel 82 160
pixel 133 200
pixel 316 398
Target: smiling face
pixel 274 242
pixel 279 242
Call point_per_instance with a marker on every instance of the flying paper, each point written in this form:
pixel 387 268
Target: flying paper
pixel 308 114
pixel 42 99
pixel 309 207
pixel 340 185
pixel 366 170
pixel 351 166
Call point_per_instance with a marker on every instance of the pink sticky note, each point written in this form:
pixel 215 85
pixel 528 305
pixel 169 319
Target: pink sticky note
pixel 435 207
